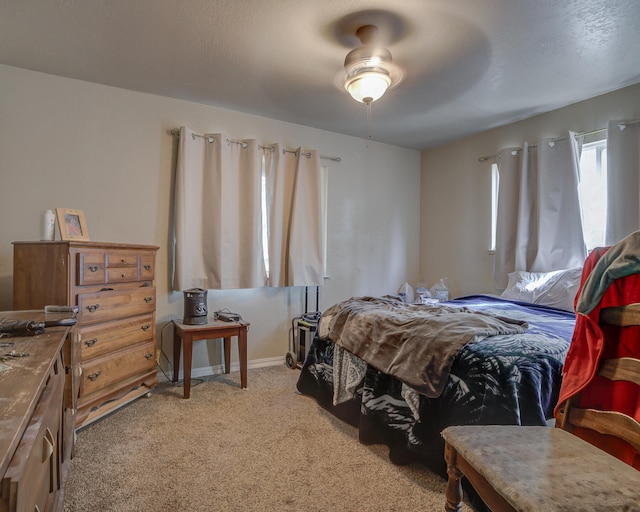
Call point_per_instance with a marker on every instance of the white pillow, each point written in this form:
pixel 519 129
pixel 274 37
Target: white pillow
pixel 557 289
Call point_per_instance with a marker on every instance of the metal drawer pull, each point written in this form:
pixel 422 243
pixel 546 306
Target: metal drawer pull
pixel 148 299
pixel 93 268
pixel 148 356
pixel 93 376
pixel 93 307
pixel 48 444
pixel 123 275
pixel 91 342
pixel 145 327
pixel 147 267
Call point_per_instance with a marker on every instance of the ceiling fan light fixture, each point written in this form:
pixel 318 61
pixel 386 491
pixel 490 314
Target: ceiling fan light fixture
pixel 369 68
pixel 367 86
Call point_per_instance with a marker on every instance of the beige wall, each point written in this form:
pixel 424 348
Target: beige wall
pixel 107 151
pixel 456 188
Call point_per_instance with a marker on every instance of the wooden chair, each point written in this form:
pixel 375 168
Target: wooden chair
pixel 516 468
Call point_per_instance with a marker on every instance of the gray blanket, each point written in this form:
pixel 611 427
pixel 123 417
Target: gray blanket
pixel 621 260
pixel 413 342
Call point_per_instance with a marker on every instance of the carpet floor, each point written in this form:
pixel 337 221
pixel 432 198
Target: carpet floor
pixel 266 448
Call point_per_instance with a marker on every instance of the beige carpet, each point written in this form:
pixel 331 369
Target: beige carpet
pixel 264 449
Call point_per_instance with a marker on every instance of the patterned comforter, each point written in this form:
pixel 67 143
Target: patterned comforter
pixel 416 343
pixel 502 379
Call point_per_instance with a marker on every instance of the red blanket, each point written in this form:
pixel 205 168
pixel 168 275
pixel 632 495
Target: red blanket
pixel 592 342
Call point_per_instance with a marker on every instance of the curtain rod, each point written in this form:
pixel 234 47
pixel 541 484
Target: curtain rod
pixel 176 133
pixel 621 125
pixel 624 124
pixel 516 150
pixel 592 132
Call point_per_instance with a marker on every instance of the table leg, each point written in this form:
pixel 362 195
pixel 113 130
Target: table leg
pixel 187 346
pixel 227 355
pixel 242 354
pixel 453 489
pixel 177 343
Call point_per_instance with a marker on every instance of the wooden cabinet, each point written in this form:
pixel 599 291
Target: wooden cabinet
pixel 114 287
pixel 35 440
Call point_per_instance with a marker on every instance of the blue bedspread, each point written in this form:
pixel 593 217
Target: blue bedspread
pixel 504 379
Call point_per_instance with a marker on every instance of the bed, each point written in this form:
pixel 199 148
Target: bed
pixel 508 377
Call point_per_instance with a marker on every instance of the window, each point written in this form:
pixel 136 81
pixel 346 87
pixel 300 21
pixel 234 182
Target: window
pixel 495 184
pixel 592 190
pixel 324 170
pixel 265 223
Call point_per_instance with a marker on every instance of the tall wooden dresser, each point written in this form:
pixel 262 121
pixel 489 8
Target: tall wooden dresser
pixel 114 287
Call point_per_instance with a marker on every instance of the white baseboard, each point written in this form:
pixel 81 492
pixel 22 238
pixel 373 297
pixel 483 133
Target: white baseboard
pixel 207 371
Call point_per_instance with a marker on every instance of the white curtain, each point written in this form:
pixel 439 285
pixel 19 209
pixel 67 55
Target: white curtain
pixel 539 226
pixel 623 181
pixel 294 210
pixel 509 162
pixel 218 222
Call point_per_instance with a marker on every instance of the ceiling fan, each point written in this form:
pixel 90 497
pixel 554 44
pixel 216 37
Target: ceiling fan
pixel 369 70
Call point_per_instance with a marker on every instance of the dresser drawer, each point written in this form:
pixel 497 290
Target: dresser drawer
pixel 122 259
pixel 147 267
pixel 122 274
pixel 32 476
pixel 98 340
pixel 116 304
pixel 104 371
pixel 91 268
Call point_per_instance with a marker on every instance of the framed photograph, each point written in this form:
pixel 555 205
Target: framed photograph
pixel 72 224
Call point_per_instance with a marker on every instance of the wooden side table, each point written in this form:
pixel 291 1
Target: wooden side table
pixel 185 335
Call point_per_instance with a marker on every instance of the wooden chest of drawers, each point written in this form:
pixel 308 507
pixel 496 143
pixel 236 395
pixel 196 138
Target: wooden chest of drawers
pixel 114 287
pixel 35 443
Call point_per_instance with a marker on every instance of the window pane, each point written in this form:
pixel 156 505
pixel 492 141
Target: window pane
pixel 265 225
pixel 593 192
pixel 324 170
pixel 495 183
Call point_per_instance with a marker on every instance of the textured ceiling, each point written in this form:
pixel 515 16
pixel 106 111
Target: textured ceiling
pixel 468 65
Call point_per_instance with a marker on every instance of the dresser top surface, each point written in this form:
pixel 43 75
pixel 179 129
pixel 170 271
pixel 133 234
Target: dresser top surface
pixel 22 383
pixel 88 244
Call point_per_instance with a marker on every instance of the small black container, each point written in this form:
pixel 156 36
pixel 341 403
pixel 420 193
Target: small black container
pixel 195 307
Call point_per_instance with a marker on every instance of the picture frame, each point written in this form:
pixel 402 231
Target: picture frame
pixel 72 224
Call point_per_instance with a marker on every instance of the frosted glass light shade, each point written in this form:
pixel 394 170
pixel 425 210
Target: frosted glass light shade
pixel 368 86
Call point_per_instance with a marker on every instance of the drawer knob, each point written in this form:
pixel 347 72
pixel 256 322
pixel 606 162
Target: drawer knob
pixel 123 260
pixel 148 356
pixel 93 307
pixel 148 299
pixel 93 268
pixel 91 342
pixel 145 327
pixel 93 376
pixel 147 267
pixel 123 275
